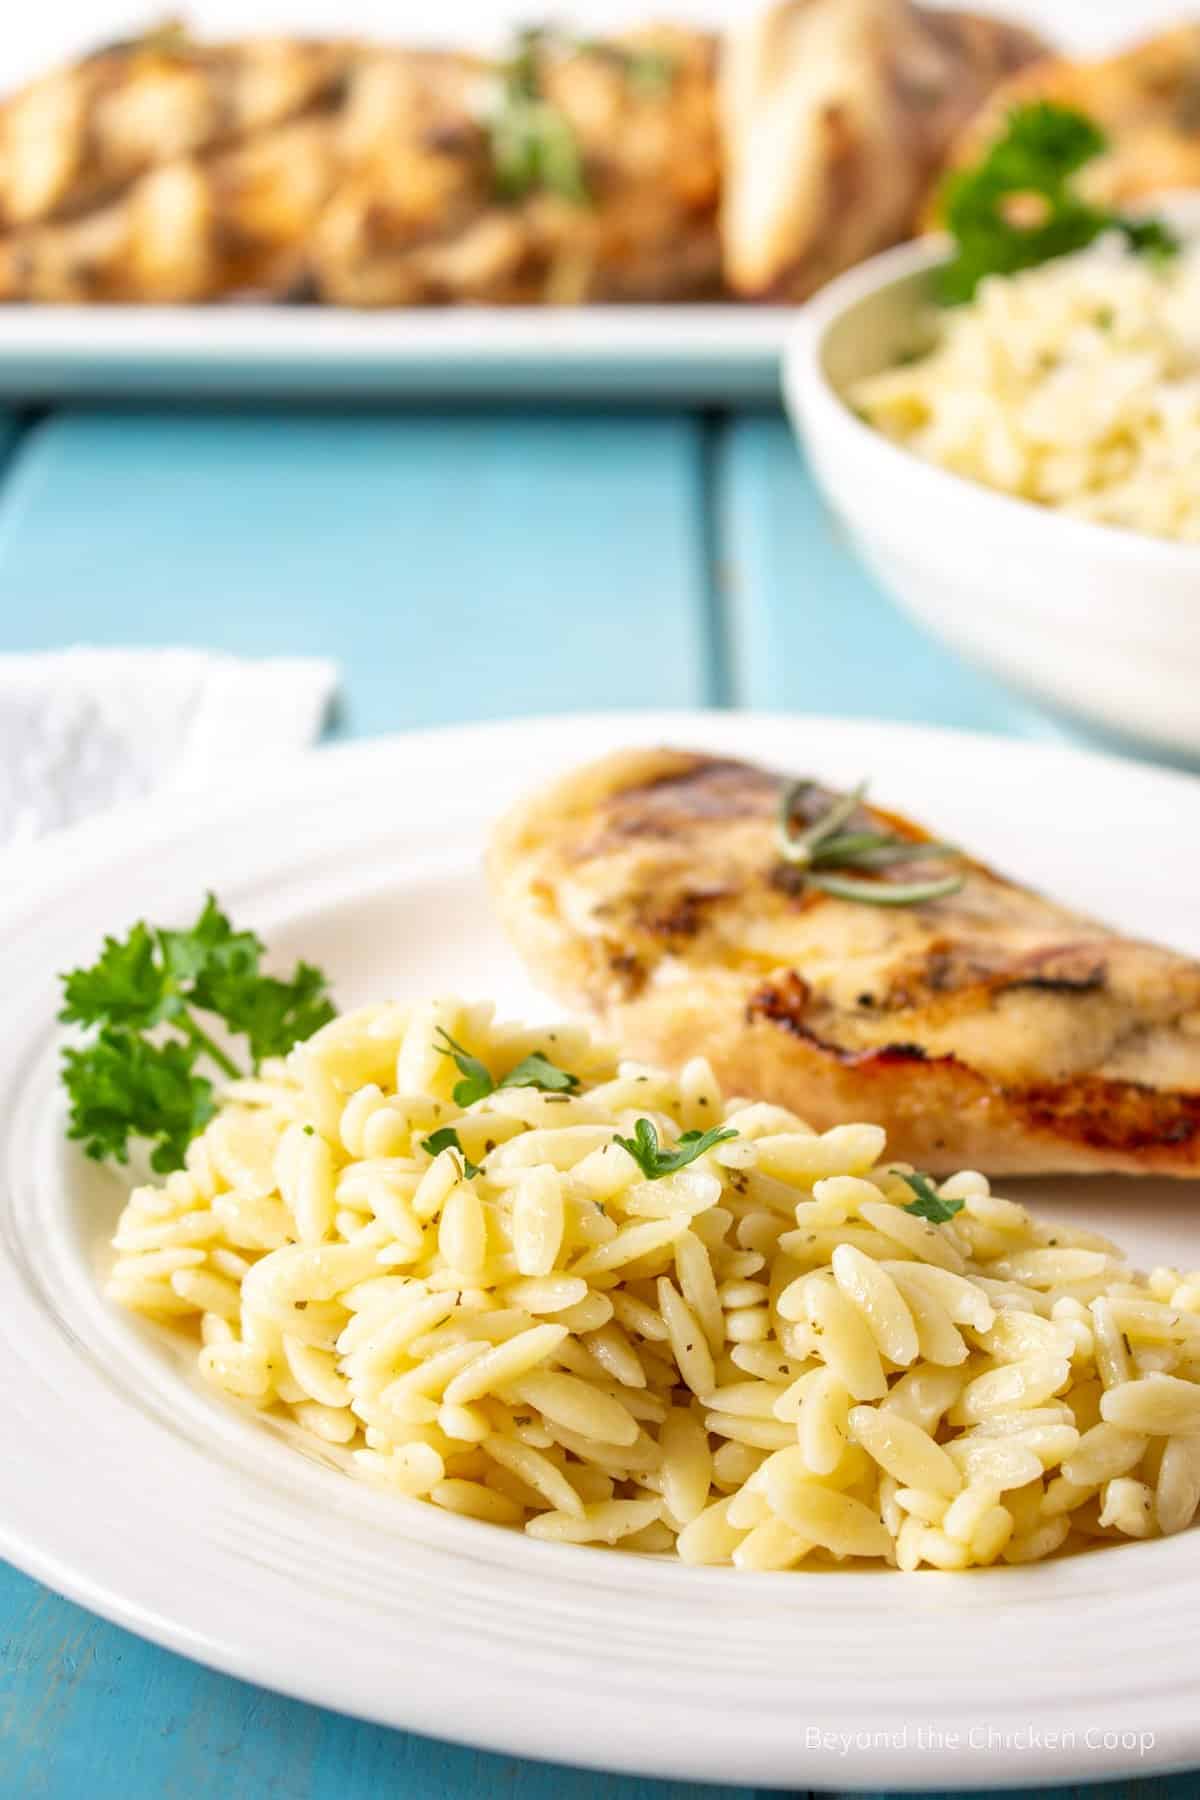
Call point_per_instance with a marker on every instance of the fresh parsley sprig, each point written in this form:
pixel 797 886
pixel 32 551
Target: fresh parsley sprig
pixel 929 1203
pixel 1017 207
pixel 535 1071
pixel 655 1162
pixel 145 997
pixel 825 849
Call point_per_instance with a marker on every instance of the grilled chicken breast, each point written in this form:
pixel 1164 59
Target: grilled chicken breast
pixel 197 228
pixel 991 1028
pixel 835 114
pixel 658 165
pixel 424 217
pixel 1147 99
pixel 74 138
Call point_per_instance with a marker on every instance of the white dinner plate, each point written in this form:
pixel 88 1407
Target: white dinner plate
pixel 128 1487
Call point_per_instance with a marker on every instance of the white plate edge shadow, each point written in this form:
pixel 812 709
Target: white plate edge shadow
pixel 691 1730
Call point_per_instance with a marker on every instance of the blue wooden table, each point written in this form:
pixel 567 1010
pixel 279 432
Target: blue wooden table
pixel 456 565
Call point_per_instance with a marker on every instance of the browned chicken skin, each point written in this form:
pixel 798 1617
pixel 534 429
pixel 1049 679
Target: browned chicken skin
pixel 420 218
pixel 77 136
pixel 679 166
pixel 198 228
pixel 836 114
pixel 992 1027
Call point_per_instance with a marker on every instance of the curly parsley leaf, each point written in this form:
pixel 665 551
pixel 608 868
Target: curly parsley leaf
pixel 448 1139
pixel 929 1203
pixel 270 1013
pixel 210 949
pixel 122 1086
pixel 535 1071
pixel 476 1083
pixel 1017 207
pixel 655 1162
pixel 123 987
pixel 125 1083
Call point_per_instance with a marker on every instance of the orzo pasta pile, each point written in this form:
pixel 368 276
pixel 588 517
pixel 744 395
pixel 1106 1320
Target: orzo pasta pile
pixel 764 1356
pixel 1076 384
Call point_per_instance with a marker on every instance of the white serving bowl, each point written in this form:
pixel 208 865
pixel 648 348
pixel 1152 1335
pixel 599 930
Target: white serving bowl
pixel 1099 621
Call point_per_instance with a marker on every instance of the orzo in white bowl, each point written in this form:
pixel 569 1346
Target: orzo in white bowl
pixel 1075 385
pixel 1021 554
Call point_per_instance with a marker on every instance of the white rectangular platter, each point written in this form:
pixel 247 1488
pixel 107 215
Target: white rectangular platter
pixel 718 353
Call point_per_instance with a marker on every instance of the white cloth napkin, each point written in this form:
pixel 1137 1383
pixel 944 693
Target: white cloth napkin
pixel 82 730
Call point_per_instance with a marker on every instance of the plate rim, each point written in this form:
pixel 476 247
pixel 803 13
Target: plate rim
pixel 124 824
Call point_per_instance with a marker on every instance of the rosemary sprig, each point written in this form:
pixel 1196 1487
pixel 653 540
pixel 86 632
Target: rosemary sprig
pixel 824 850
pixel 875 850
pixel 886 893
pixel 804 847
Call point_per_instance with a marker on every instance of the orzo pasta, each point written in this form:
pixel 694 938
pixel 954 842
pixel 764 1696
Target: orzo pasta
pixel 1076 385
pixel 767 1353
